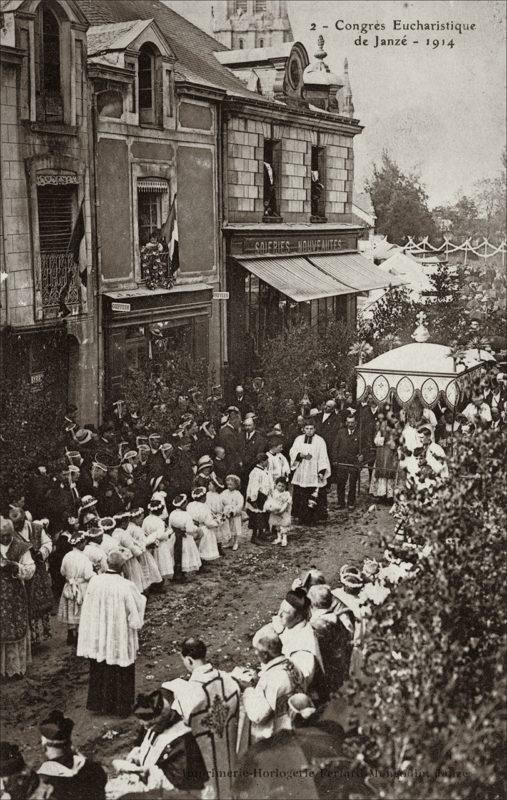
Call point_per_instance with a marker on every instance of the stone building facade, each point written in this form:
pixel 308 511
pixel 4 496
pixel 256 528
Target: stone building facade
pixel 246 24
pixel 47 301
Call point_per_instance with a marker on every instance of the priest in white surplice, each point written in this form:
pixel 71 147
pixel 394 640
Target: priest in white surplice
pixel 111 616
pixel 209 703
pixel 311 468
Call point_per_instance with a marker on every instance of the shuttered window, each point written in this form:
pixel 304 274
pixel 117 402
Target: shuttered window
pixel 55 205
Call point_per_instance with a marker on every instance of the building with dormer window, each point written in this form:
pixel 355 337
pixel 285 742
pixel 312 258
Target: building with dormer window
pixel 47 315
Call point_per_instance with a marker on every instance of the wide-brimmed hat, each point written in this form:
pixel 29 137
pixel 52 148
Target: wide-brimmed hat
pixel 88 501
pixel 198 493
pixel 155 506
pixel 107 524
pixel 204 461
pixel 235 478
pixel 179 501
pixel 78 537
pixel 155 482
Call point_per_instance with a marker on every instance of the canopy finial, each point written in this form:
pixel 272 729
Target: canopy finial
pixel 421 333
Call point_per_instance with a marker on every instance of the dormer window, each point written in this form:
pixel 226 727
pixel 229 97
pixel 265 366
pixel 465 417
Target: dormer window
pixel 146 84
pixel 48 61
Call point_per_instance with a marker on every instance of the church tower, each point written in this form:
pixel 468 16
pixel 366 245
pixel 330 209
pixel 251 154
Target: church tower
pixel 245 24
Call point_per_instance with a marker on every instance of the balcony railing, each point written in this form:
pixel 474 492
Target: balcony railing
pixel 60 285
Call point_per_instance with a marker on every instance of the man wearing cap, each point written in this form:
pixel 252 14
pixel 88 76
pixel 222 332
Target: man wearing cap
pixel 241 402
pixel 205 439
pixel 166 757
pixel 348 459
pixel 311 469
pixel 299 641
pixel 112 615
pixel 155 458
pixel 70 775
pixel 209 703
pixel 266 705
pixel 38 488
pixel 63 497
pixel 183 471
pixel 16 567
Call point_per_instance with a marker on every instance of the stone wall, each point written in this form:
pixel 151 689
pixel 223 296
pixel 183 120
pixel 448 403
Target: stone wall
pixel 245 145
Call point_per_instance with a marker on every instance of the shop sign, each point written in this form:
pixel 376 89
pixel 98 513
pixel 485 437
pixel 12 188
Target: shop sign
pixel 120 306
pixel 290 244
pixel 220 295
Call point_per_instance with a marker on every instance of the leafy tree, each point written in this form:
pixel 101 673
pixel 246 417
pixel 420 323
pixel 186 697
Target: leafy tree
pixel 462 218
pixel 393 320
pixel 153 393
pixel 491 201
pixel 31 429
pixel 430 708
pixel 303 360
pixel 400 203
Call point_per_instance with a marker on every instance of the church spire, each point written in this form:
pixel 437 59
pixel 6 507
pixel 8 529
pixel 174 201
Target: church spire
pixel 348 105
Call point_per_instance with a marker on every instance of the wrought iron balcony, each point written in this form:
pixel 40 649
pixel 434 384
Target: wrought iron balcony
pixel 60 285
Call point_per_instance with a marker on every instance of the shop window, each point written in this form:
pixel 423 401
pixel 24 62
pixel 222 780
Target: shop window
pixel 49 99
pixel 272 163
pixel 318 184
pixel 149 85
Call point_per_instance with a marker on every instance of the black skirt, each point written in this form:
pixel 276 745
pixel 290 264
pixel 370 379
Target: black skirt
pixel 111 689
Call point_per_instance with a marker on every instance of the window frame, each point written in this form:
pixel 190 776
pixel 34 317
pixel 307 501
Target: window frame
pixel 318 211
pixel 275 145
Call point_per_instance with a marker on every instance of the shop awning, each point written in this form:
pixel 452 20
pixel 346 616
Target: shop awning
pixel 355 271
pixel 294 277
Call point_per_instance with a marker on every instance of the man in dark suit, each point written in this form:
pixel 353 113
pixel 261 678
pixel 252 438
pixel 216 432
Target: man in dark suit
pixel 327 424
pixel 347 460
pixel 229 437
pixel 253 444
pixel 366 422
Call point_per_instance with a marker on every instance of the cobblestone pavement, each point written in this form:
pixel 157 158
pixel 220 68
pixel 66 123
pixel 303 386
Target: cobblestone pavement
pixel 225 606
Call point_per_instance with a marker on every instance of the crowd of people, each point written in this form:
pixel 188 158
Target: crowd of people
pixel 129 511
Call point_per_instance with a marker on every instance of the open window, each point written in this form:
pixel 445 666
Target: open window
pixel 272 163
pixel 49 96
pixel 149 85
pixel 318 184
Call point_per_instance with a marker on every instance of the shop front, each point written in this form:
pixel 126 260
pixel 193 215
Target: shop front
pixel 143 327
pixel 279 275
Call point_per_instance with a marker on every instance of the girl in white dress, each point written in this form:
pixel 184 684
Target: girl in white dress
pixel 202 517
pixel 77 569
pixel 232 504
pixel 214 502
pixel 130 549
pixel 149 569
pixel 279 504
pixel 154 524
pixel 180 520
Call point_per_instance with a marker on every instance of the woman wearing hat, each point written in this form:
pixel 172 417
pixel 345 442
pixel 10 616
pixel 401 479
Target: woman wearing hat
pixel 166 756
pixel 77 569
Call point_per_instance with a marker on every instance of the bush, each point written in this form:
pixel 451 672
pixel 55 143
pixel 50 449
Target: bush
pixel 431 706
pixel 154 393
pixel 32 426
pixel 303 360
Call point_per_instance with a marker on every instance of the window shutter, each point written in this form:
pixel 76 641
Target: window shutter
pixel 55 217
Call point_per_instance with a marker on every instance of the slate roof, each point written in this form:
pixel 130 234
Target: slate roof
pixel 114 36
pixel 192 47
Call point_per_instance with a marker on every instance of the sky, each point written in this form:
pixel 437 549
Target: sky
pixel 439 112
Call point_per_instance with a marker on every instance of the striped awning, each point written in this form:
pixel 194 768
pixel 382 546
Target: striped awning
pixel 355 271
pixel 152 185
pixel 294 277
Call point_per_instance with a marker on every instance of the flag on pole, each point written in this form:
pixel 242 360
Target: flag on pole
pixel 170 234
pixel 75 242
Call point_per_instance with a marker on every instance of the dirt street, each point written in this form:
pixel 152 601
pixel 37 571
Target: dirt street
pixel 224 606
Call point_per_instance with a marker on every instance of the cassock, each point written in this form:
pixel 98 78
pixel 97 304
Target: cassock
pixel 209 704
pixel 111 616
pixel 73 778
pixel 309 475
